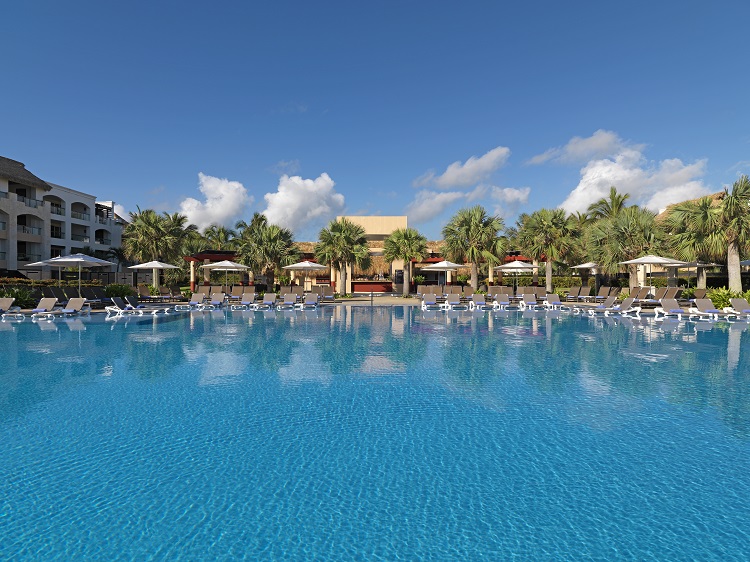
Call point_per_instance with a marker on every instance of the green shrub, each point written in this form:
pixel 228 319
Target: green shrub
pixel 418 279
pixel 21 294
pixel 720 296
pixel 118 290
pixel 153 291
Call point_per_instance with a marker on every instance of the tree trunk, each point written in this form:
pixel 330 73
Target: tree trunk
pixel 548 275
pixel 632 276
pixel 733 267
pixel 474 276
pixel 535 275
pixel 407 278
pixel 700 281
pixel 342 279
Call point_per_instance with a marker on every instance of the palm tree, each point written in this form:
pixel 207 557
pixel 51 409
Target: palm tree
pixel 150 236
pixel 608 208
pixel 117 254
pixel 472 235
pixel 695 234
pixel 549 233
pixel 625 236
pixel 735 224
pixel 405 244
pixel 342 244
pixel 220 237
pixel 265 247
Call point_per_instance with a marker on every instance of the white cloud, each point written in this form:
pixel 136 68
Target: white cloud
pixel 582 149
pixel 225 202
pixel 287 167
pixel 303 205
pixel 652 184
pixel 471 172
pixel 429 204
pixel 508 200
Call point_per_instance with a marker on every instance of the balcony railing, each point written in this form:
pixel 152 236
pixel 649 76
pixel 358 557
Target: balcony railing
pixel 57 210
pixel 80 238
pixel 29 257
pixel 3 225
pixel 2 256
pixel 80 216
pixel 57 234
pixel 3 194
pixel 23 229
pixel 102 220
pixel 34 203
pixel 105 241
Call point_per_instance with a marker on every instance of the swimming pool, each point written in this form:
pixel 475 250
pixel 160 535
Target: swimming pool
pixel 374 434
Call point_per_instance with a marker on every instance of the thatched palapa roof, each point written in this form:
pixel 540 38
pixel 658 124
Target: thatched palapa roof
pixel 16 172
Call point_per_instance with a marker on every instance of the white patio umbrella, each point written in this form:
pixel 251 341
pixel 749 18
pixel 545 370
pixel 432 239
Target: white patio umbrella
pixel 72 260
pixel 226 266
pixel 444 266
pixel 587 265
pixel 154 266
pixel 516 267
pixel 653 260
pixel 700 265
pixel 306 267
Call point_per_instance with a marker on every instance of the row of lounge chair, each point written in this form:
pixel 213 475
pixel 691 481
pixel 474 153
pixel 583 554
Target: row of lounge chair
pixel 247 301
pixel 46 309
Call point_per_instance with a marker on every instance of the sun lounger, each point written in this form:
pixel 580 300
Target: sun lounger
pixel 268 302
pixel 602 294
pixel 217 301
pixel 625 308
pixel 154 308
pixel 740 308
pixel 429 302
pixel 501 302
pixel 477 302
pixel 668 307
pixel 528 301
pixel 119 308
pixel 309 302
pixel 453 302
pixel 7 310
pixel 45 306
pixel 584 294
pixel 553 302
pixel 74 306
pixel 246 301
pixel 573 294
pixel 705 308
pixel 601 308
pixel 288 302
pixel 195 302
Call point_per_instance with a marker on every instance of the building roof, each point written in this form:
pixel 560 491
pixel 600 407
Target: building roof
pixel 16 172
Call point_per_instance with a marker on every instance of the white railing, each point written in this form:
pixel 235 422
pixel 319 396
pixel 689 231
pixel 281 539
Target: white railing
pixel 57 210
pixel 29 257
pixel 102 220
pixel 80 238
pixel 34 203
pixel 80 216
pixel 23 229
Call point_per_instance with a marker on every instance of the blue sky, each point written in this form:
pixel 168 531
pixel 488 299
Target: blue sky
pixel 308 110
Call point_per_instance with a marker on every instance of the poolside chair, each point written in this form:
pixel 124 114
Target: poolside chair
pixel 73 307
pixel 501 302
pixel 429 302
pixel 453 302
pixel 528 301
pixel 154 308
pixel 625 308
pixel 639 294
pixel 119 308
pixel 603 307
pixel 7 310
pixel 328 295
pixel 602 294
pixel 195 302
pixel 553 302
pixel 573 294
pixel 45 305
pixel 268 302
pixel 669 307
pixel 59 294
pixel 661 293
pixel 216 301
pixel 308 303
pixel 584 294
pixel 740 308
pixel 705 308
pixel 236 294
pixel 144 293
pixel 246 301
pixel 478 302
pixel 288 302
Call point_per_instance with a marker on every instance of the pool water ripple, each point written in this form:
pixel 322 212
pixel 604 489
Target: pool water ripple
pixel 374 434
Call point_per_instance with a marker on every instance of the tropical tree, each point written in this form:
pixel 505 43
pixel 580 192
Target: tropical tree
pixel 695 234
pixel 117 254
pixel 150 236
pixel 405 244
pixel 629 234
pixel 606 208
pixel 548 233
pixel 735 224
pixel 265 247
pixel 472 235
pixel 342 244
pixel 220 237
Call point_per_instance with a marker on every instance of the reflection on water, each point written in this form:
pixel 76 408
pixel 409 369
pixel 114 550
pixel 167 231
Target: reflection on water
pixel 616 364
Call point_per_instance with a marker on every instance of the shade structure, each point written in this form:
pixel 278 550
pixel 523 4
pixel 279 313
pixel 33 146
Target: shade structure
pixel 306 267
pixel 226 266
pixel 516 267
pixel 653 260
pixel 72 260
pixel 698 266
pixel 154 266
pixel 444 265
pixel 587 265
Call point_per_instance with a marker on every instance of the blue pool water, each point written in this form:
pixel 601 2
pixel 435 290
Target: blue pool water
pixel 374 434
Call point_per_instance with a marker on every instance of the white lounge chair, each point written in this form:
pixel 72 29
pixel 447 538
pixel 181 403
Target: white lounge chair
pixel 625 308
pixel 477 302
pixel 309 302
pixel 217 301
pixel 246 301
pixel 288 303
pixel 603 307
pixel 553 302
pixel 705 308
pixel 501 302
pixel 429 302
pixel 45 306
pixel 528 302
pixel 268 302
pixel 740 308
pixel 196 300
pixel 453 302
pixel 669 307
pixel 7 310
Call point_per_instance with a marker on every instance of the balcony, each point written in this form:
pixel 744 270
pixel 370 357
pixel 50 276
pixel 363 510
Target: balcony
pixel 57 210
pixel 105 241
pixel 33 203
pixel 23 229
pixel 80 216
pixel 57 233
pixel 102 220
pixel 2 256
pixel 3 194
pixel 23 257
pixel 3 225
pixel 80 238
